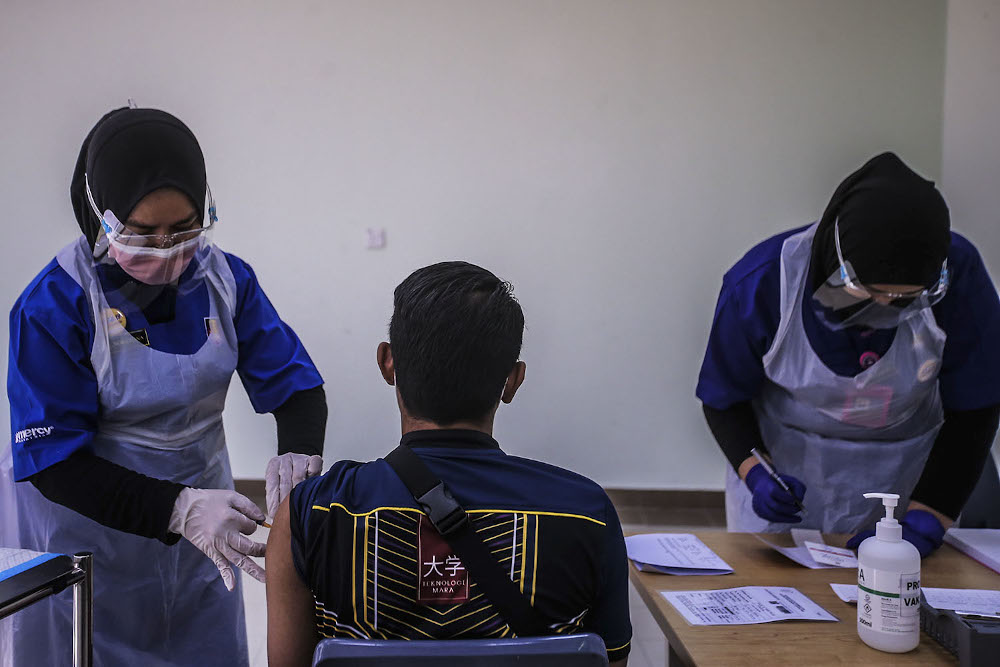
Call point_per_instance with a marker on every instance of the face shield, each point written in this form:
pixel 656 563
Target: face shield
pixel 846 302
pixel 152 259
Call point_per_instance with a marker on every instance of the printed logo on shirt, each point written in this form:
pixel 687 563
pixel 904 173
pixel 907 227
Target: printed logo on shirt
pixel 141 336
pixel 441 577
pixel 33 434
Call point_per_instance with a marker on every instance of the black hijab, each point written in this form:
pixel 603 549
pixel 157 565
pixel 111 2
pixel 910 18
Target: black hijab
pixel 127 155
pixel 894 226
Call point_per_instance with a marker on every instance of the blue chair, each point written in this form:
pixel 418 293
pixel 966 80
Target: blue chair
pixel 584 650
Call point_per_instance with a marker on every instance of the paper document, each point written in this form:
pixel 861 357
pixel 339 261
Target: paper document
pixel 966 600
pixel 824 554
pixel 846 592
pixel 799 554
pixel 811 551
pixel 674 553
pixel 802 535
pixel 13 561
pixel 746 605
pixel 982 544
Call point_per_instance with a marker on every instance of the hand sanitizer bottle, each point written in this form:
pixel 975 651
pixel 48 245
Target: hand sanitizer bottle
pixel 888 585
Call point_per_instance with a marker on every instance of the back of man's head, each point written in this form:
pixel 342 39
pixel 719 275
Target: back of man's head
pixel 456 335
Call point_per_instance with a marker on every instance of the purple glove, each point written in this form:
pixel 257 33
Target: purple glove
pixel 920 528
pixel 770 501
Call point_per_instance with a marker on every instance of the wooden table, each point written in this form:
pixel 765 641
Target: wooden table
pixel 798 643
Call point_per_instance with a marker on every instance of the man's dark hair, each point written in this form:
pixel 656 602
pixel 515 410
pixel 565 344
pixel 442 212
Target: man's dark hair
pixel 455 333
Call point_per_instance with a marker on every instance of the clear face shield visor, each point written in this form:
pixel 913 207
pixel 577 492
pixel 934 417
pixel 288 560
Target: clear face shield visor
pixel 153 259
pixel 852 303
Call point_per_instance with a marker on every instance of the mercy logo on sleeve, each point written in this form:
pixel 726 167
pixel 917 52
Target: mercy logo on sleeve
pixel 32 433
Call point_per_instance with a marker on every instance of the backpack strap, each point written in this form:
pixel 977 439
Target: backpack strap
pixel 452 522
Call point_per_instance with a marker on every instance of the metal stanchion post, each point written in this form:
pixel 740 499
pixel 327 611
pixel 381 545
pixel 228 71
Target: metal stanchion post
pixel 83 611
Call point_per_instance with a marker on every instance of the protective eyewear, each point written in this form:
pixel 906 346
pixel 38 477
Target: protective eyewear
pixel 118 233
pixel 849 279
pixel 847 302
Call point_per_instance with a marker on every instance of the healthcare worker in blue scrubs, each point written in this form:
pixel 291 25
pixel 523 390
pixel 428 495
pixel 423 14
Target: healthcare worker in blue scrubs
pixel 859 353
pixel 121 354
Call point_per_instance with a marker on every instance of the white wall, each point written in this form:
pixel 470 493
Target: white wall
pixel 610 158
pixel 970 171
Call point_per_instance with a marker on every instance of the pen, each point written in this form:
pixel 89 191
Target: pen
pixel 774 475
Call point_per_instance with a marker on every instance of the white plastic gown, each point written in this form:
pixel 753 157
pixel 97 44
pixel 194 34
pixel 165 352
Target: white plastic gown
pixel 842 436
pixel 160 415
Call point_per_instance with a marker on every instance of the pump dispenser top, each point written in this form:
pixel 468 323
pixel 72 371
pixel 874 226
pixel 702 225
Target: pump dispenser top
pixel 888 528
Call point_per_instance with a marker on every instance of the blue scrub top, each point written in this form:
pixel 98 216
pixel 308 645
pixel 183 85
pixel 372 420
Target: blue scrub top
pixel 748 312
pixel 52 388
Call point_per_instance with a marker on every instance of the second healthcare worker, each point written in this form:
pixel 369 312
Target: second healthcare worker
pixel 860 354
pixel 121 354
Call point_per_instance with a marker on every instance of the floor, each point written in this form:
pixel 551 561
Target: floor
pixel 649 649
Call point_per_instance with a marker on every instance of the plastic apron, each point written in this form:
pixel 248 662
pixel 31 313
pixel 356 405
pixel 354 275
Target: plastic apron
pixel 842 436
pixel 161 415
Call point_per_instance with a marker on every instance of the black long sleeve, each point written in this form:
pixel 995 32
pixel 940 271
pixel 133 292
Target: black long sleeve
pixel 111 495
pixel 956 459
pixel 120 498
pixel 736 430
pixel 301 422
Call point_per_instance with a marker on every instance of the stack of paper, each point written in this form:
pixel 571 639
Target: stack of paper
pixel 674 553
pixel 982 544
pixel 746 605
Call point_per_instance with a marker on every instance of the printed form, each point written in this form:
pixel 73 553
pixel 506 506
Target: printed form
pixel 811 551
pixel 746 605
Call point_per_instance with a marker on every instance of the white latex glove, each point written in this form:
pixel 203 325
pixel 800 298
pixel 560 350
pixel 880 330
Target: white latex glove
pixel 217 521
pixel 284 472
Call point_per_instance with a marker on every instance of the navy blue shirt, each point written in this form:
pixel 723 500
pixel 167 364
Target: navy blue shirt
pixel 377 569
pixel 52 388
pixel 748 313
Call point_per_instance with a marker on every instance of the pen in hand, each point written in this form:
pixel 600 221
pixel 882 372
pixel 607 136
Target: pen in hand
pixel 774 475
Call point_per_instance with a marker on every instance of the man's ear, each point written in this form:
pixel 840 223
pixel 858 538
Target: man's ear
pixel 383 355
pixel 513 383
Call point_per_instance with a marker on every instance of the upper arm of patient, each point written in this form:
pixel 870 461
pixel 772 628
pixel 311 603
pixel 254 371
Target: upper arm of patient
pixel 291 624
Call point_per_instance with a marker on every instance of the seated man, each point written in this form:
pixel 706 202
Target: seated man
pixel 351 555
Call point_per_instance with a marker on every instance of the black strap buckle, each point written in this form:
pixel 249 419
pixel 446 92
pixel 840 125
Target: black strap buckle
pixel 443 510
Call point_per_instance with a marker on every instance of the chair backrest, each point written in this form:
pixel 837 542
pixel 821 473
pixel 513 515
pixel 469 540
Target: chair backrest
pixel 583 650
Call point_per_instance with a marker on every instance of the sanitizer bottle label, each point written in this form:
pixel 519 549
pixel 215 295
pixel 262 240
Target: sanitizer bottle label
pixel 888 601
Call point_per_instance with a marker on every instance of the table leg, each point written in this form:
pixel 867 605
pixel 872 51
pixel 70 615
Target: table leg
pixel 83 612
pixel 674 660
